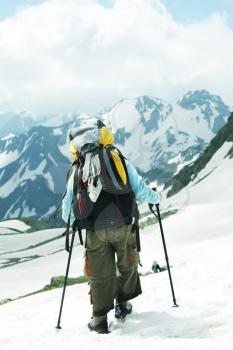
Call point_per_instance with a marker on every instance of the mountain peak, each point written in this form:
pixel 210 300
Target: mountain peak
pixel 191 171
pixel 195 98
pixel 214 110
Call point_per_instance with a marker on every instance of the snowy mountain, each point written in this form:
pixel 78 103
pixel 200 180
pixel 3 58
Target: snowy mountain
pixel 219 151
pixel 12 123
pixel 15 123
pixel 32 172
pixel 158 137
pixel 33 168
pixel 161 137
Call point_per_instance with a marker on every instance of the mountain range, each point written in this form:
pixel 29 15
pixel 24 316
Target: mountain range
pixel 12 123
pixel 219 150
pixel 158 137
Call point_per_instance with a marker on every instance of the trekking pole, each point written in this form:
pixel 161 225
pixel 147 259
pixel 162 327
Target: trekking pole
pixel 66 279
pixel 165 250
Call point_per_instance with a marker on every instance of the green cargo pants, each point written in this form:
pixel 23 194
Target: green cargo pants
pixel 112 267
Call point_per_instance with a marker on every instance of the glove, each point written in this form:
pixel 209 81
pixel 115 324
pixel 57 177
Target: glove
pixel 152 206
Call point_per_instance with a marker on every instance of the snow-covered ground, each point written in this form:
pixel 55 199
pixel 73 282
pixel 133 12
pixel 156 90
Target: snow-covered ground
pixel 199 241
pixel 13 224
pixel 32 275
pixel 202 272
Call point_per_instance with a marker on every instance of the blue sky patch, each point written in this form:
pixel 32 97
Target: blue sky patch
pixel 181 10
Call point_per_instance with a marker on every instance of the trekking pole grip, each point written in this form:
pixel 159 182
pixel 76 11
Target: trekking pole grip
pixel 151 204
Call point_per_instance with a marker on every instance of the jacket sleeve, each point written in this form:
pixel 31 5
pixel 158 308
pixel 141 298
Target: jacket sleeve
pixel 142 192
pixel 67 202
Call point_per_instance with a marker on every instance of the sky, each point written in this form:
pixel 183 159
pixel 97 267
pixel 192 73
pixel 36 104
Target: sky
pixel 181 10
pixel 60 55
pixel 189 11
pixel 8 8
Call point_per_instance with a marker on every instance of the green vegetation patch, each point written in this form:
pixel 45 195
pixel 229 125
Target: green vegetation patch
pixel 152 219
pixel 58 282
pixel 230 153
pixel 55 282
pixel 35 224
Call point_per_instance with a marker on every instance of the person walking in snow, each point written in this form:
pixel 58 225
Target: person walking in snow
pixel 100 177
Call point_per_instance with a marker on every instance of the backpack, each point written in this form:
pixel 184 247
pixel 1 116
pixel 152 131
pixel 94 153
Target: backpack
pixel 99 167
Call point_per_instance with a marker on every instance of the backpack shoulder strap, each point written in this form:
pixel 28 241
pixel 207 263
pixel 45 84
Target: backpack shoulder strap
pixel 75 182
pixel 122 158
pixel 136 214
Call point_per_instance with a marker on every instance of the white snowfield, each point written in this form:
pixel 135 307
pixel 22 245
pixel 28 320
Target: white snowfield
pixel 7 158
pixel 13 224
pixel 199 241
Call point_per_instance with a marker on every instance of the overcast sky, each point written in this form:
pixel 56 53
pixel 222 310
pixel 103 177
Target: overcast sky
pixel 58 56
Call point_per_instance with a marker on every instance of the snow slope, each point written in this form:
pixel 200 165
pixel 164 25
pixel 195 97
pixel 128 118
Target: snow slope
pixel 213 184
pixel 46 257
pixel 14 224
pixel 203 285
pixel 199 241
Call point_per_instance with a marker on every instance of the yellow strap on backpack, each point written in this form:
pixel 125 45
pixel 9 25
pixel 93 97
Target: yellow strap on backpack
pixel 73 151
pixel 106 138
pixel 119 166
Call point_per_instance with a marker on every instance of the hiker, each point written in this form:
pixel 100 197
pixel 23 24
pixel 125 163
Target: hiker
pixel 105 186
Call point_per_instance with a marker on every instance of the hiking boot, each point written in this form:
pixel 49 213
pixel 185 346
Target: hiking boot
pixel 122 309
pixel 99 324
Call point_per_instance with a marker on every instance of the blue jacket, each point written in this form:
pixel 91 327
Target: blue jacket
pixel 142 192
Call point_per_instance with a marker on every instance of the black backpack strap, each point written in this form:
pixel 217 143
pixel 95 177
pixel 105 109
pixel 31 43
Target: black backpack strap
pixel 135 226
pixel 67 233
pixel 77 179
pixel 76 227
pixel 75 183
pixel 110 166
pixel 80 236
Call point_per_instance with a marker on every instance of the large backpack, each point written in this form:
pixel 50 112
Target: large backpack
pixel 99 167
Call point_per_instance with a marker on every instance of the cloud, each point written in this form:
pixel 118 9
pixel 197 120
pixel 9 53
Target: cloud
pixel 68 54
